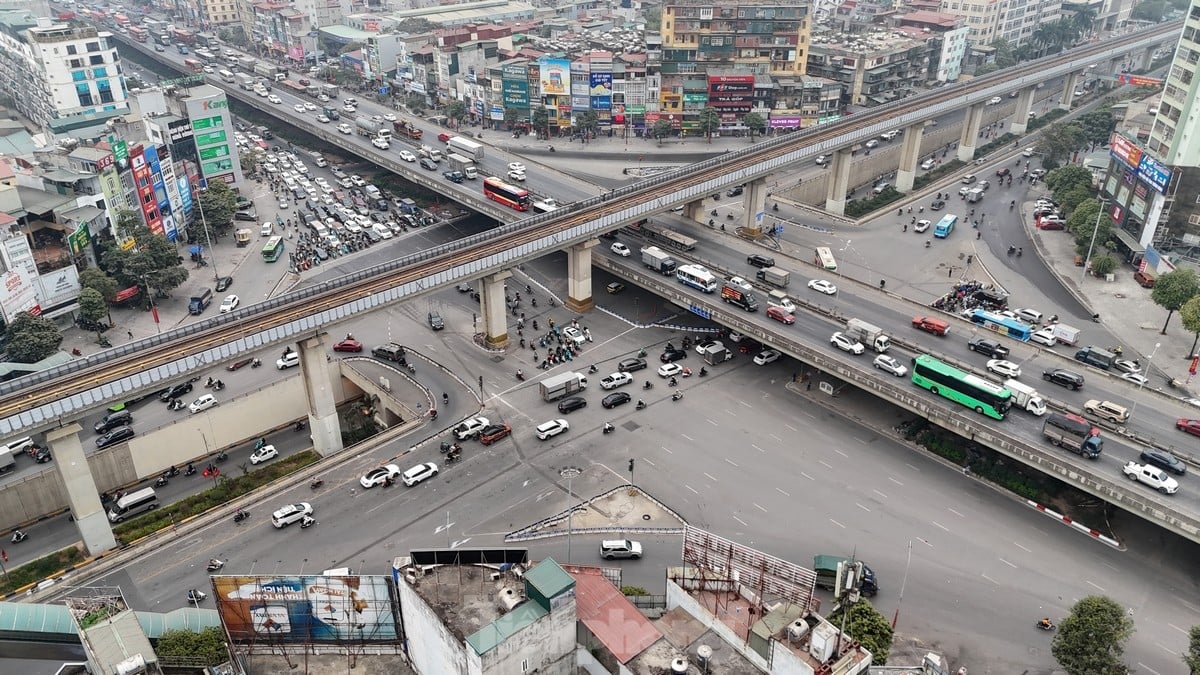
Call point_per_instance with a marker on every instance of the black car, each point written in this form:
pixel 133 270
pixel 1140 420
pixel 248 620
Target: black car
pixel 435 321
pixel 734 191
pixel 428 164
pixel 673 355
pixel 242 215
pixel 174 391
pixel 453 176
pixel 223 283
pixel 1063 378
pixel 988 348
pixel 615 399
pixel 937 205
pixel 571 404
pixel 758 260
pixel 120 418
pixel 630 365
pixel 1164 460
pixel 115 436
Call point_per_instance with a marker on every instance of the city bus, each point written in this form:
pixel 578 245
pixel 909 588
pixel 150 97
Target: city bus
pixel 697 276
pixel 273 249
pixel 205 56
pixel 509 195
pixel 138 33
pixel 823 258
pixel 1004 325
pixel 985 398
pixel 945 226
pixel 193 65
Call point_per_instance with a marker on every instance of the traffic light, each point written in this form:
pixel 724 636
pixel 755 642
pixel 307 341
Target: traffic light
pixel 631 466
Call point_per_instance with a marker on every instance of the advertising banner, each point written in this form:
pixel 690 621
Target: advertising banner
pixel 1125 150
pixel 17 254
pixel 185 194
pixel 786 122
pixel 160 189
pixel 601 91
pixel 516 94
pixel 58 287
pixel 555 76
pixel 580 103
pixel 304 609
pixel 18 294
pixel 1154 172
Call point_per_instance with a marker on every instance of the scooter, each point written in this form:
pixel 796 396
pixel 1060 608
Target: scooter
pixel 640 404
pixel 256 363
pixel 609 428
pixel 307 522
pixel 647 385
pixel 300 425
pixel 520 376
pixel 316 483
pixel 703 371
pixel 673 382
pixel 592 369
pixel 218 385
pixel 1046 626
pixel 190 470
pixel 258 445
pixel 222 456
pixel 18 537
pixel 215 565
pixel 240 515
pixel 677 395
pixel 172 472
pixel 161 482
pixel 196 597
pixel 175 404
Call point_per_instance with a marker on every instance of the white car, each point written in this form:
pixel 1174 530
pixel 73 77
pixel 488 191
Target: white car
pixel 994 100
pixel 516 175
pixel 574 335
pixel 419 473
pixel 1136 378
pixel 309 106
pixel 823 286
pixel 615 380
pixel 1028 152
pixel 928 164
pixel 382 230
pixel 229 304
pixel 389 117
pixel 1044 336
pixel 846 343
pixel 322 119
pixel 289 360
pixel 871 144
pixel 357 180
pixel 890 365
pixel 274 99
pixel 292 513
pixel 516 166
pixel 379 475
pixel 407 156
pixel 621 249
pixel 323 98
pixel 470 428
pixel 921 226
pixel 263 454
pixel 299 107
pixel 344 129
pixel 552 428
pixel 766 356
pixel 380 143
pixel 669 370
pixel 1004 368
pixel 1127 366
pixel 203 403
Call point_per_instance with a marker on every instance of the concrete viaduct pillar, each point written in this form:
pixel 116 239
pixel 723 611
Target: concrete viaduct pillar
pixel 839 182
pixel 1068 93
pixel 970 133
pixel 1020 121
pixel 754 204
pixel 82 494
pixel 579 276
pixel 324 429
pixel 910 152
pixel 494 309
pixel 694 210
pixel 1147 59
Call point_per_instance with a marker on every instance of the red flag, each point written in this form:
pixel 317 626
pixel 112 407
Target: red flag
pixel 4 554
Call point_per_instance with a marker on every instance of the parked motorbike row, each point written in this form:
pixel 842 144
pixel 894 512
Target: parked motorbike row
pixel 311 251
pixel 92 326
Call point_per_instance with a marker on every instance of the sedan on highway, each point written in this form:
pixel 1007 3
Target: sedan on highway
pixel 571 404
pixel 781 315
pixel 345 129
pixel 823 286
pixel 921 226
pixel 419 473
pixel 229 304
pixel 380 143
pixel 615 380
pixel 1188 426
pixel 616 399
pixel 493 433
pixel 846 343
pixel 552 428
pixel 620 249
pixel 263 454
pixel 516 166
pixel 175 391
pixel 516 175
pixel 380 475
pixel 1044 336
pixel 1164 460
pixel 669 370
pixel 299 107
pixel 115 436
pixel 890 365
pixel 766 356
pixel 203 403
pixel 1004 368
pixel 1063 378
pixel 274 99
pixel 631 364
pixel 407 156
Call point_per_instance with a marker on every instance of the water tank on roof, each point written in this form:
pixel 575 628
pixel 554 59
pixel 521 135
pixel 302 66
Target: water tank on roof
pixel 797 630
pixel 508 598
pixel 679 665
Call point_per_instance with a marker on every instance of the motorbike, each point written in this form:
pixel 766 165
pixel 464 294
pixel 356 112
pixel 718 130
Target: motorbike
pixel 222 456
pixel 1046 625
pixel 609 428
pixel 640 404
pixel 175 404
pixel 162 481
pixel 703 371
pixel 1020 251
pixel 300 425
pixel 196 597
pixel 218 385
pixel 256 363
pixel 1116 349
pixel 172 472
pixel 928 243
pixel 258 445
pixel 412 370
pixel 210 384
pixel 641 353
pixel 75 352
pixel 677 395
pixel 1012 249
pixel 647 384
pixel 454 456
pixel 520 376
pixel 592 369
pixel 316 483
pixel 104 342
pixel 673 382
pixel 552 148
pixel 215 565
pixel 240 515
pixel 190 470
pixel 18 537
pixel 307 522
pixel 686 372
pixel 775 207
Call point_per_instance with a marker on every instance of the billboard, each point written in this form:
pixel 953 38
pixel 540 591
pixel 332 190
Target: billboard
pixel 307 608
pixel 601 91
pixel 1154 172
pixel 1125 150
pixel 59 287
pixel 731 93
pixel 18 294
pixel 555 76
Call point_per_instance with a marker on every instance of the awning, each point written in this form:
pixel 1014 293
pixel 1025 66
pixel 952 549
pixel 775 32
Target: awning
pixel 126 294
pixel 1128 240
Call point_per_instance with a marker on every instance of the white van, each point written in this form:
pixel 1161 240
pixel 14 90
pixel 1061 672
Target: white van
pixel 133 504
pixel 267 229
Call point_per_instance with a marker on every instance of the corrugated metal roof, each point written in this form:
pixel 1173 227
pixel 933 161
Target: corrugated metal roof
pixel 548 578
pixel 609 615
pixel 492 635
pixel 45 621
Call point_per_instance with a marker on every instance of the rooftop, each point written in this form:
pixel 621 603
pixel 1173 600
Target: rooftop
pixel 466 598
pixel 684 636
pixel 879 40
pixel 609 615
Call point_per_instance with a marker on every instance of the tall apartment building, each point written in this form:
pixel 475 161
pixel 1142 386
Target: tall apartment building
pixel 1011 20
pixel 67 80
pixel 752 37
pixel 219 12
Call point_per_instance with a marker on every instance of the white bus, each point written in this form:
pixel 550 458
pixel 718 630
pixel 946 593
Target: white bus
pixel 697 276
pixel 823 258
pixel 226 76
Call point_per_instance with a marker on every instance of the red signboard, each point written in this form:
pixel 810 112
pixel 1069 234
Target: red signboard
pixel 1195 362
pixel 1125 150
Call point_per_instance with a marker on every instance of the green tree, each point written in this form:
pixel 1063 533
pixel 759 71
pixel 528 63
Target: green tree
pixel 96 279
pixel 1191 658
pixel 1066 178
pixel 1153 11
pixel 709 122
pixel 653 18
pixel 755 123
pixel 457 111
pixel 1060 140
pixel 869 627
pixel 92 306
pixel 1082 225
pixel 207 646
pixel 513 115
pixel 1103 265
pixel 415 102
pixel 153 263
pixel 250 160
pixel 661 129
pixel 1091 641
pixel 1173 289
pixel 1189 314
pixel 540 120
pixel 1084 19
pixel 32 338
pixel 1004 56
pixel 1098 125
pixel 587 121
pixel 218 202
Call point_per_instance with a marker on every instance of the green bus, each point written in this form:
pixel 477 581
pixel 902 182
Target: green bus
pixel 273 249
pixel 983 397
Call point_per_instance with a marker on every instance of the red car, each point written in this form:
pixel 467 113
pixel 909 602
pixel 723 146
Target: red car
pixel 1050 224
pixel 443 137
pixel 781 315
pixel 1190 426
pixel 348 345
pixel 494 433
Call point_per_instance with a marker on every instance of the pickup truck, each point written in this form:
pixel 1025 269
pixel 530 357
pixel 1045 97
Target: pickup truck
pixel 1152 476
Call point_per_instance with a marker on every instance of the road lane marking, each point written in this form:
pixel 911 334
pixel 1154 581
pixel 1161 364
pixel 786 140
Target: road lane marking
pixel 914 468
pixel 782 492
pixel 808 415
pixel 990 579
pixel 1022 547
pixel 860 441
pixel 760 508
pixel 825 464
pixel 1178 629
pixel 649 462
pixel 880 494
pixel 925 541
pixel 837 523
pixel 776 437
pixel 745 404
pixel 841 453
pixel 940 525
pixel 690 488
pixel 757 448
pixel 711 478
pixel 955 512
pixel 806 475
pixel 1099 588
pixel 862 507
pixel 791 428
pixel 744 524
pixel 1008 563
pixel 1147 668
pixel 895 481
pixel 668 450
pixel 731 462
pixel 687 438
pixel 712 422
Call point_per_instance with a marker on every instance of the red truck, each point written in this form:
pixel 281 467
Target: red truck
pixel 930 324
pixel 403 128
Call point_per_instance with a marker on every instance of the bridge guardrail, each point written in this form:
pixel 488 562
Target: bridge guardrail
pixel 1148 506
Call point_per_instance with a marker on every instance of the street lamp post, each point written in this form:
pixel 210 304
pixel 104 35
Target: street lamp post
pixel 848 247
pixel 1095 231
pixel 207 236
pixel 896 616
pixel 1149 362
pixel 569 473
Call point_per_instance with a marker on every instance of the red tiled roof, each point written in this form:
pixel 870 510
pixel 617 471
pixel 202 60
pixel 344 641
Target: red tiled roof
pixel 615 622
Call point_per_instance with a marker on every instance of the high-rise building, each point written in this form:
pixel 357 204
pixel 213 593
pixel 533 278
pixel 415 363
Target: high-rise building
pixel 212 133
pixel 69 77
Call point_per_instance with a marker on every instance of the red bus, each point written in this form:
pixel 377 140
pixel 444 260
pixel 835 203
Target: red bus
pixel 509 195
pixel 139 34
pixel 194 65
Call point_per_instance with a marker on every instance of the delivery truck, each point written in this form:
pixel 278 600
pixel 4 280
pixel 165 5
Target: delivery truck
pixel 658 260
pixel 735 294
pixel 869 334
pixel 465 165
pixel 716 353
pixel 563 384
pixel 1026 397
pixel 246 81
pixel 826 567
pixel 1066 334
pixel 1073 433
pixel 269 71
pixel 774 276
pixel 467 147
pixel 404 128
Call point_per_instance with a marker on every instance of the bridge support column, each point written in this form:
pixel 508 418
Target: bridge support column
pixel 694 211
pixel 839 182
pixel 1068 92
pixel 970 133
pixel 324 429
pixel 1147 59
pixel 754 202
pixel 910 152
pixel 82 494
pixel 493 309
pixel 579 276
pixel 1020 120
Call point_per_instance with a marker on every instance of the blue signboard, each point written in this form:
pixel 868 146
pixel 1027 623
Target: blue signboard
pixel 1154 172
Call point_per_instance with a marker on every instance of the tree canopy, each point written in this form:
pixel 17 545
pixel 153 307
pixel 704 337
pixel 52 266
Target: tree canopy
pixel 1173 289
pixel 1091 641
pixel 661 129
pixel 152 262
pixel 755 123
pixel 869 627
pixel 1191 658
pixel 457 111
pixel 1189 314
pixel 207 646
pixel 540 119
pixel 32 338
pixel 217 204
pixel 91 305
pixel 95 278
pixel 710 122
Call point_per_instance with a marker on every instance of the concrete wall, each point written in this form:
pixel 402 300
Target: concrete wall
pixel 432 647
pixel 547 645
pixel 677 597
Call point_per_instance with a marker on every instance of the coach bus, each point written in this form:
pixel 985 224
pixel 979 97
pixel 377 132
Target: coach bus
pixel 823 258
pixel 697 277
pixel 193 65
pixel 509 195
pixel 1004 325
pixel 985 398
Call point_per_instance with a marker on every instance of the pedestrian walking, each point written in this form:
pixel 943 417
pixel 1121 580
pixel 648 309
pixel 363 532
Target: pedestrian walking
pixel 130 333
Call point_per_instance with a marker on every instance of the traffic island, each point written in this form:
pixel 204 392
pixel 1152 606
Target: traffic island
pixel 623 509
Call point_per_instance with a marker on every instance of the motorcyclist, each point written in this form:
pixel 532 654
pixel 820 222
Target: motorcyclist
pixel 1045 622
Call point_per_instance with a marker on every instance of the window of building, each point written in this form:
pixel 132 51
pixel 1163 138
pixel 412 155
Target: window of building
pixel 79 75
pixel 85 95
pixel 97 59
pixel 75 63
pixel 99 72
pixel 71 50
pixel 93 46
